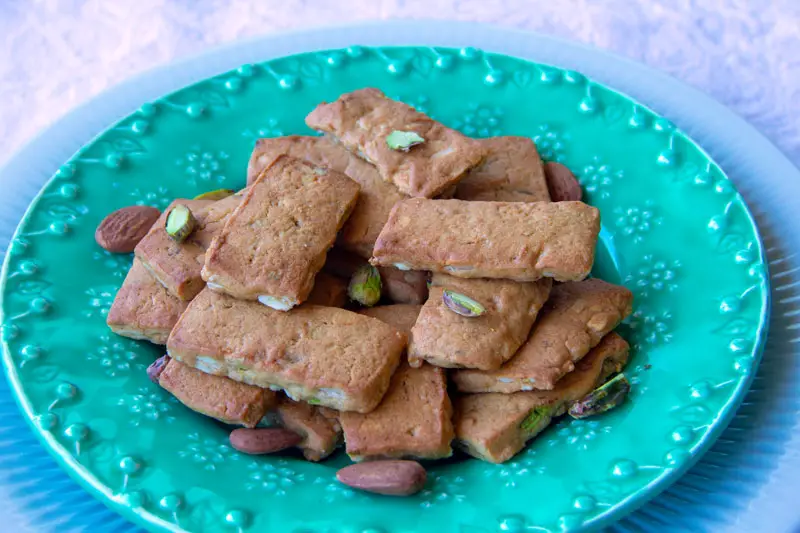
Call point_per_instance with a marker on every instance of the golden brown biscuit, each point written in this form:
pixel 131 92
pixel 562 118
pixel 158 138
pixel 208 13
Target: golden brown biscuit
pixel 511 172
pixel 142 308
pixel 318 354
pixel 275 241
pixel 446 339
pixel 413 420
pixel 362 120
pixel 175 265
pixel 495 427
pixel 573 321
pixel 328 291
pixel 319 426
pixel 512 240
pixel 375 200
pixel 216 396
pixel 401 316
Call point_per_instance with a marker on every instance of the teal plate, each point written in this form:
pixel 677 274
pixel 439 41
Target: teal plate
pixel 675 231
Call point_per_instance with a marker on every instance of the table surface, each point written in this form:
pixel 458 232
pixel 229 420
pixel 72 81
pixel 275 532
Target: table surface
pixel 57 54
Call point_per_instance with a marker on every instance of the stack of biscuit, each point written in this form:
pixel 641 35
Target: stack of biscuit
pixel 253 307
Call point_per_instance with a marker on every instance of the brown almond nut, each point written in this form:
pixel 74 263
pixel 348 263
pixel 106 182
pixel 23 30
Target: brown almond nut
pixel 157 367
pixel 122 230
pixel 259 441
pixel 561 183
pixel 392 478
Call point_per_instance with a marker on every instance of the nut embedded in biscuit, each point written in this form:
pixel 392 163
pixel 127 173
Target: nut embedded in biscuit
pixel 575 318
pixel 495 427
pixel 366 121
pixel 448 339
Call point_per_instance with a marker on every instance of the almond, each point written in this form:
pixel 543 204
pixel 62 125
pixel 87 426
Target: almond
pixel 263 440
pixel 392 478
pixel 122 230
pixel 561 183
pixel 157 367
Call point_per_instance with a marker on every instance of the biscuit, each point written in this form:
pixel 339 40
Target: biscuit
pixel 572 322
pixel 446 339
pixel 221 398
pixel 375 200
pixel 319 427
pixel 362 120
pixel 142 308
pixel 275 241
pixel 323 355
pixel 495 427
pixel 511 172
pixel 512 240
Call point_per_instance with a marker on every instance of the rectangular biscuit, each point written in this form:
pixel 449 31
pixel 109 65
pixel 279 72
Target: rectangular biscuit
pixel 221 398
pixel 324 355
pixel 275 241
pixel 412 420
pixel 319 426
pixel 375 200
pixel 573 321
pixel 362 120
pixel 495 427
pixel 175 265
pixel 401 316
pixel 328 291
pixel 142 308
pixel 511 172
pixel 512 240
pixel 446 339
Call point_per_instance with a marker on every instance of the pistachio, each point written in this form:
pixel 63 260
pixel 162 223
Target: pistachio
pixel 218 194
pixel 535 418
pixel 180 223
pixel 462 305
pixel 365 286
pixel 403 140
pixel 603 398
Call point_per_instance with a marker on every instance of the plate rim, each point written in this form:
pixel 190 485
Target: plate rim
pixel 763 332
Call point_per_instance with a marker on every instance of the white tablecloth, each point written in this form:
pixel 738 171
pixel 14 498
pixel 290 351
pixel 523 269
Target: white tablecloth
pixel 56 54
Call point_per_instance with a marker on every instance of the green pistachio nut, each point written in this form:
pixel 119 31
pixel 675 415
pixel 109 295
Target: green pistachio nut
pixel 180 223
pixel 218 194
pixel 462 305
pixel 535 418
pixel 403 140
pixel 602 399
pixel 365 286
